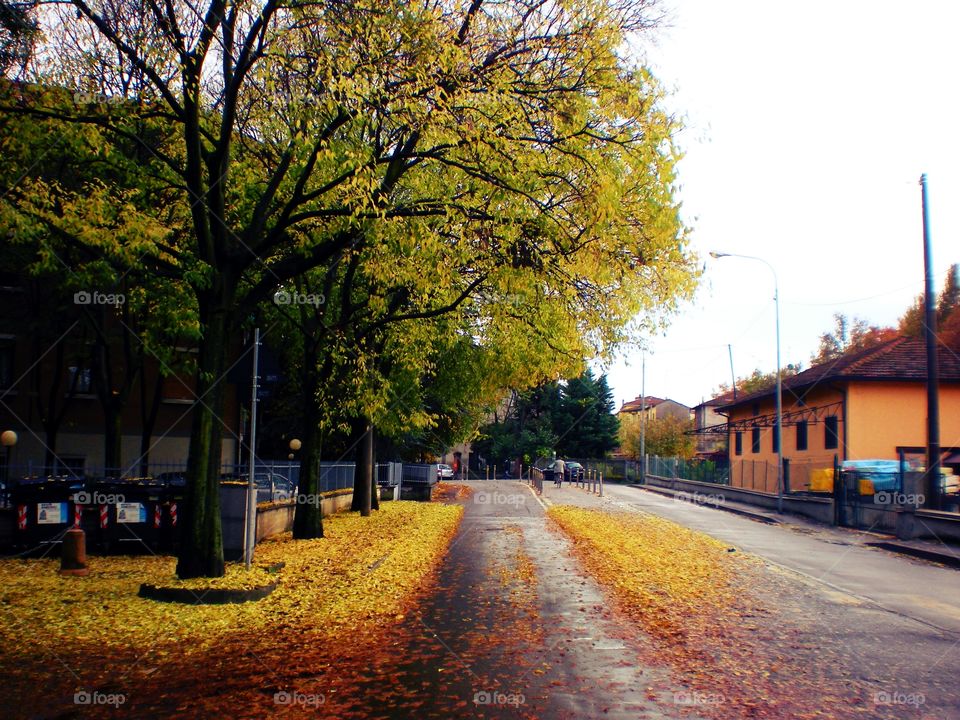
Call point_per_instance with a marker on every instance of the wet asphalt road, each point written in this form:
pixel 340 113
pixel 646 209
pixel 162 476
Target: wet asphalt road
pixel 515 629
pixel 861 614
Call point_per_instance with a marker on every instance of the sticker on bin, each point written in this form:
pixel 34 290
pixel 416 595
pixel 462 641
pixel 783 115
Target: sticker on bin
pixel 51 513
pixel 131 513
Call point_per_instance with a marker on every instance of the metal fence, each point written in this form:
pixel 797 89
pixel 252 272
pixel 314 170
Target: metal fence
pixel 709 471
pixel 281 477
pixel 613 470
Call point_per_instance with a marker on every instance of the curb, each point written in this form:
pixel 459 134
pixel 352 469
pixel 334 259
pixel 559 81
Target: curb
pixel 758 516
pixel 931 555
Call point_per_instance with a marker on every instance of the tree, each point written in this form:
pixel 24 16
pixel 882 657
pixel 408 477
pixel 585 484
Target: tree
pixel 759 380
pixel 18 33
pixel 913 320
pixel 666 437
pixel 849 337
pixel 585 425
pixel 498 142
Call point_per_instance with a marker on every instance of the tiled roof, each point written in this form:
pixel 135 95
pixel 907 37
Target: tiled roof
pixel 719 401
pixel 897 360
pixel 637 405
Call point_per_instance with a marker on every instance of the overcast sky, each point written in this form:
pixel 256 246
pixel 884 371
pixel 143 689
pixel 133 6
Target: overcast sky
pixel 807 127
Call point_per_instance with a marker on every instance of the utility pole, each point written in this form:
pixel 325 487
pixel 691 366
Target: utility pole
pixel 733 377
pixel 250 524
pixel 643 419
pixel 933 369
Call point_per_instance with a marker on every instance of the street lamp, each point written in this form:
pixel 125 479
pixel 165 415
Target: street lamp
pixel 295 445
pixel 8 439
pixel 779 430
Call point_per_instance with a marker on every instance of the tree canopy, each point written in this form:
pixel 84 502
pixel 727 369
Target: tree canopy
pixel 505 164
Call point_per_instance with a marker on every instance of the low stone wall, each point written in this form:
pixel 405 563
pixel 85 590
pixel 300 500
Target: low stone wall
pixel 816 508
pixel 933 524
pixel 276 518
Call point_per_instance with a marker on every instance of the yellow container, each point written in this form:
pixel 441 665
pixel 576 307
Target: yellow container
pixel 821 480
pixel 866 486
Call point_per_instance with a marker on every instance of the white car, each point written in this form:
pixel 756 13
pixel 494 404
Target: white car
pixel 444 472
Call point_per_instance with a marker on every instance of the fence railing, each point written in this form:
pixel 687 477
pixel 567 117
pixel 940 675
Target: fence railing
pixel 803 476
pixel 280 476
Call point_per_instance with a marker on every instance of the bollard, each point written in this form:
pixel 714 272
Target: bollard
pixel 73 560
pixel 601 484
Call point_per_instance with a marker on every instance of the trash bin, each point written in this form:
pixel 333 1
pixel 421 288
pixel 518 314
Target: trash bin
pixel 45 508
pixel 130 514
pixel 174 492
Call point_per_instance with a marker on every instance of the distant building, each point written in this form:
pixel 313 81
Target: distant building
pixel 711 426
pixel 655 408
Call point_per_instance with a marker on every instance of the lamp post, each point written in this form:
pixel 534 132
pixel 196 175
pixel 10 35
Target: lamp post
pixel 779 430
pixel 295 445
pixel 8 439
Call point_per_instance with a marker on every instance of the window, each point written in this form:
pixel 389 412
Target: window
pixel 802 435
pixel 776 436
pixel 738 443
pixel 755 440
pixel 80 380
pixel 6 363
pixel 831 438
pixel 70 466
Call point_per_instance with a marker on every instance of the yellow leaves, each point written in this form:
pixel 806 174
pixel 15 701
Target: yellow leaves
pixel 665 574
pixel 327 585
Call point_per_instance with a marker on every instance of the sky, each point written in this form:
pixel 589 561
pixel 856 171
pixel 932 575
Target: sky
pixel 806 129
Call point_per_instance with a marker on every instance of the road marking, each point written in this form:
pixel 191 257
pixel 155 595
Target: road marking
pixel 537 497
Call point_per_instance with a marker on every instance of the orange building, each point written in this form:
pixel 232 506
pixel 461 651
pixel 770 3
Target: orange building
pixel 866 405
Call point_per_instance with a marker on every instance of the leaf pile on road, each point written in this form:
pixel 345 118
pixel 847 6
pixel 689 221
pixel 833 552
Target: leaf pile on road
pixel 694 597
pixel 51 626
pixel 445 492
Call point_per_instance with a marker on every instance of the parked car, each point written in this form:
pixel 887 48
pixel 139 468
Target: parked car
pixel 573 472
pixel 444 472
pixel 271 486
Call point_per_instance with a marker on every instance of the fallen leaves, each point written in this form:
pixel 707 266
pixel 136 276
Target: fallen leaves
pixel 697 601
pixel 365 568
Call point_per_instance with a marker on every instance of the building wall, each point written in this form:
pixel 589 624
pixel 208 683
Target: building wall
pixel 707 416
pixel 883 416
pixel 671 408
pixel 758 470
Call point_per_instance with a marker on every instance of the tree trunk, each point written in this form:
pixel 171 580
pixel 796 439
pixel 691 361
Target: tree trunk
pixel 308 515
pixel 362 480
pixel 112 439
pixel 201 542
pixel 374 485
pixel 148 419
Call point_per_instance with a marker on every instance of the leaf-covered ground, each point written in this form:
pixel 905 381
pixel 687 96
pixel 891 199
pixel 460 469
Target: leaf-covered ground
pixel 700 602
pixel 63 635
